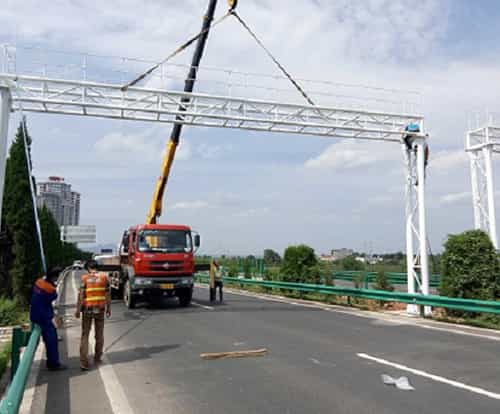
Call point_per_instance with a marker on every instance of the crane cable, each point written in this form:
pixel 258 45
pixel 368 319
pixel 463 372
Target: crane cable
pixel 178 50
pixel 280 66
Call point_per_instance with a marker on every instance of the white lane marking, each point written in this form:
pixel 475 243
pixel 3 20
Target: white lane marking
pixel 437 378
pixel 114 390
pixel 73 283
pixel 31 386
pixel 371 315
pixel 202 306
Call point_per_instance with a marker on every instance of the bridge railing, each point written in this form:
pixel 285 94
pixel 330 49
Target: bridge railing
pixel 21 365
pixel 12 401
pixel 468 305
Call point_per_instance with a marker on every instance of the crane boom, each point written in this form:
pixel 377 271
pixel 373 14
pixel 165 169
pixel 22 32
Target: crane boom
pixel 155 209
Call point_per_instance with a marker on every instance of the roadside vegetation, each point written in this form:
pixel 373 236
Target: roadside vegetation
pixel 20 261
pixel 469 265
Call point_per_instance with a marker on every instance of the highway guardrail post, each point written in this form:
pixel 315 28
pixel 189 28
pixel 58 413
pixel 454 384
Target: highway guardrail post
pixel 17 339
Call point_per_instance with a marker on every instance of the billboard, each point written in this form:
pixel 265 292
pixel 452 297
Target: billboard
pixel 78 234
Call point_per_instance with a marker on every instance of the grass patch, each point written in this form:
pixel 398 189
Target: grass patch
pixel 4 358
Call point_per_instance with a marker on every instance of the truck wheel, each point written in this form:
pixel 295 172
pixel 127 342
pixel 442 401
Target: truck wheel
pixel 128 298
pixel 185 297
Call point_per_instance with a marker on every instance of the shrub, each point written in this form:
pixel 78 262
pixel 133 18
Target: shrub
pixel 470 267
pixel 300 265
pixel 10 312
pixel 382 282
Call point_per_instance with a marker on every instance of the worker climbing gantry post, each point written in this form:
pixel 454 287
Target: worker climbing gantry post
pixel 156 205
pixel 5 104
pixel 416 154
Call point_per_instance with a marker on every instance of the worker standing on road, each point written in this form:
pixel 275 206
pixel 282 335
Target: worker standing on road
pixel 42 313
pixel 94 302
pixel 215 280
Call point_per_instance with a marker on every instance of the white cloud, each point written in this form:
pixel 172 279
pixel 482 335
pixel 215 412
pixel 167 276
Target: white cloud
pixel 445 161
pixel 148 145
pixel 190 205
pixel 454 197
pixel 353 154
pixel 253 212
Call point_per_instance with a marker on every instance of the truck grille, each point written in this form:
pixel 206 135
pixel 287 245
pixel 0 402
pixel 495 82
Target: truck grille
pixel 165 266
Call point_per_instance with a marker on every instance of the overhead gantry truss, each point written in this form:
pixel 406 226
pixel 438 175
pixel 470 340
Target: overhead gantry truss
pixel 142 104
pixel 91 99
pixel 480 144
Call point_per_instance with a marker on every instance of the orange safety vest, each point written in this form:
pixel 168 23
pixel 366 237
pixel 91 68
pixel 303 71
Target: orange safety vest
pixel 94 287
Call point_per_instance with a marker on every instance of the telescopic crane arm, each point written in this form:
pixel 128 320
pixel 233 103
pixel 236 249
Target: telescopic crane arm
pixel 155 209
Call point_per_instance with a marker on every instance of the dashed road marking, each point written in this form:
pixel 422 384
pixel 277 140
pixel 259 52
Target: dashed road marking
pixel 433 377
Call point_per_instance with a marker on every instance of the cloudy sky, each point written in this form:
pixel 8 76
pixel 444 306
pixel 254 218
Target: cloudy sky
pixel 248 191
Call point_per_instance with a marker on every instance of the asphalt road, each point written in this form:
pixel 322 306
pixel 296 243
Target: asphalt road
pixel 154 366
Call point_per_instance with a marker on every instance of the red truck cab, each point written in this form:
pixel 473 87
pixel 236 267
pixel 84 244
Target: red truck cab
pixel 157 260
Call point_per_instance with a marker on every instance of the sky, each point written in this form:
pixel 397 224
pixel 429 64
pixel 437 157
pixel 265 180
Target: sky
pixel 247 191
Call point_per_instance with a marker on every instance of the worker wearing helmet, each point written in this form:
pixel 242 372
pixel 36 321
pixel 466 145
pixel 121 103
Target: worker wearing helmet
pixel 94 303
pixel 42 314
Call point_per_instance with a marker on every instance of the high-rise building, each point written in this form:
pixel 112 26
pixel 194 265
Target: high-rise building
pixel 63 203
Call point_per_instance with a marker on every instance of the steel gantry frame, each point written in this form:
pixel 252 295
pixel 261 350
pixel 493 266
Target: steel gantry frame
pixel 105 100
pixel 480 144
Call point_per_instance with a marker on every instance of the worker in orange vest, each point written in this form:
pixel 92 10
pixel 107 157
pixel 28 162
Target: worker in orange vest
pixel 94 302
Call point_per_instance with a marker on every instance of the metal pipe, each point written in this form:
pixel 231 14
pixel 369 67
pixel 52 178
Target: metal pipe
pixel 491 194
pixel 410 272
pixel 422 230
pixel 5 104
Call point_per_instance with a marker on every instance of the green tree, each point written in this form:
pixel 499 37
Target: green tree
pixel 382 282
pixel 350 263
pixel 300 264
pixel 271 258
pixel 51 236
pixel 19 218
pixel 470 267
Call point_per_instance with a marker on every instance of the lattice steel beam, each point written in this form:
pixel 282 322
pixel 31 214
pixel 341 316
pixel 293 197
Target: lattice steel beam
pixel 39 94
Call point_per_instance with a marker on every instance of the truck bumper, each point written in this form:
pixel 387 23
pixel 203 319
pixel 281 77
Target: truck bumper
pixel 149 286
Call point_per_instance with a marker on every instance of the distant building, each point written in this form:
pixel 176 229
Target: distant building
pixel 63 203
pixel 338 254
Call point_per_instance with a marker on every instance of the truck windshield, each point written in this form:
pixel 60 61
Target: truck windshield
pixel 165 241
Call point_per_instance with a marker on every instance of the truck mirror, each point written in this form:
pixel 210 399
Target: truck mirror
pixel 197 240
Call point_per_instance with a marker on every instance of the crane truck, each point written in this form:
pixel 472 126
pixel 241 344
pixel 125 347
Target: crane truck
pixel 154 260
pixel 158 259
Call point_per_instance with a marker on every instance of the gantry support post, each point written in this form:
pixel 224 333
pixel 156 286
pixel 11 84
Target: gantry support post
pixel 5 105
pixel 417 264
pixel 480 145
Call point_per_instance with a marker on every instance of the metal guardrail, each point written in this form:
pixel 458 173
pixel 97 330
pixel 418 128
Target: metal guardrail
pixel 12 401
pixel 468 305
pixel 394 278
